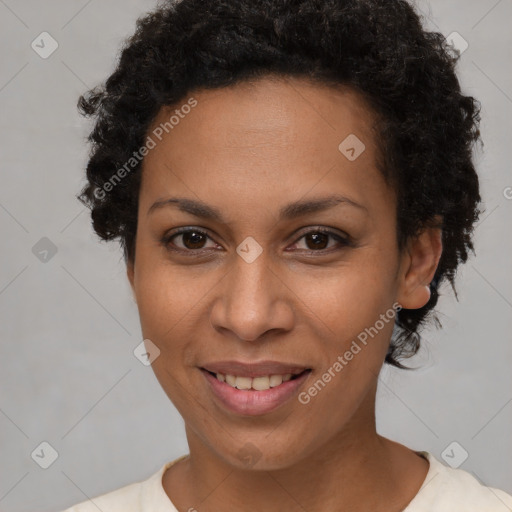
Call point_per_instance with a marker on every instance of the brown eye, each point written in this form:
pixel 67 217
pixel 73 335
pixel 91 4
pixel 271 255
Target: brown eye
pixel 317 240
pixel 187 240
pixel 193 239
pixel 321 240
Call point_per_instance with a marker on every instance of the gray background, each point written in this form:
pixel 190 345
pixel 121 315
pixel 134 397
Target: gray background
pixel 69 325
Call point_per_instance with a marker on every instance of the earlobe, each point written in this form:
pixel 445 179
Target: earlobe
pixel 419 266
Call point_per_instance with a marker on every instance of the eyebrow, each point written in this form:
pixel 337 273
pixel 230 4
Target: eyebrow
pixel 288 212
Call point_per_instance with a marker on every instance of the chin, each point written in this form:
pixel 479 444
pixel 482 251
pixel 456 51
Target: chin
pixel 266 454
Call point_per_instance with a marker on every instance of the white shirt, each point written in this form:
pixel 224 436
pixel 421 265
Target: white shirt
pixel 444 490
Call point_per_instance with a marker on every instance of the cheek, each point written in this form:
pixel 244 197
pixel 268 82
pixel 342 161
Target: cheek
pixel 355 303
pixel 348 298
pixel 167 296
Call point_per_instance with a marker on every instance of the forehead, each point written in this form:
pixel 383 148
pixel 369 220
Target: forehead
pixel 256 111
pixel 269 137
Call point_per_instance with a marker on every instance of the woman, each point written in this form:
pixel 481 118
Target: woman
pixel 291 182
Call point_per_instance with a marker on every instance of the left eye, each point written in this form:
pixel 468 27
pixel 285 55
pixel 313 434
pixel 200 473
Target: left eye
pixel 319 240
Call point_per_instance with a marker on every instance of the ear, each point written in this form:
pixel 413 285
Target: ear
pixel 418 266
pixel 130 273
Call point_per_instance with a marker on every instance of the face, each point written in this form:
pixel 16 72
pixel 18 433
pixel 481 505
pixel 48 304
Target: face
pixel 261 239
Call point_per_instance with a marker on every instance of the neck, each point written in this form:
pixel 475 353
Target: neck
pixel 356 470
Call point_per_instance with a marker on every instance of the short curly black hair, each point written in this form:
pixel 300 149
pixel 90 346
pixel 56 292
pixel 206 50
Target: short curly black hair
pixel 379 48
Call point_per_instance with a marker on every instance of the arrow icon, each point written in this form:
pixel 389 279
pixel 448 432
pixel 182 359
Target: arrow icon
pixel 351 147
pixel 44 45
pixel 249 249
pixel 44 250
pixel 44 455
pixel 454 454
pixel 146 352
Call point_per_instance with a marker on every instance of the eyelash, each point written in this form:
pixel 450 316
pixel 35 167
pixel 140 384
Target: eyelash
pixel 166 241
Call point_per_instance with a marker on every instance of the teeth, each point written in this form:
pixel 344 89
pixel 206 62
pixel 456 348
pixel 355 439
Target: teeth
pixel 257 383
pixel 243 382
pixel 275 380
pixel 263 383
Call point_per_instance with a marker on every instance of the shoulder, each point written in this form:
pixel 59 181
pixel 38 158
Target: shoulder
pixel 446 489
pixel 148 494
pixel 124 499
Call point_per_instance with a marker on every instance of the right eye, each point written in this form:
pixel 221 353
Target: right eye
pixel 186 240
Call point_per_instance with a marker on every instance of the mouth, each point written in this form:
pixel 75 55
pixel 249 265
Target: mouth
pixel 259 383
pixel 252 396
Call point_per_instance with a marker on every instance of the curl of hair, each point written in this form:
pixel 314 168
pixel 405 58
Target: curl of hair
pixel 377 47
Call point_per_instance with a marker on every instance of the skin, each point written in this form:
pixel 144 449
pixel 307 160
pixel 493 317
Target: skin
pixel 248 150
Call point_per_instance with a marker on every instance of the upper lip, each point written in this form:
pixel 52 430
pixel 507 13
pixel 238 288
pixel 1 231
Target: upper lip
pixel 259 369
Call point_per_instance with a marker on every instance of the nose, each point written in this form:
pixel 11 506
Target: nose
pixel 252 300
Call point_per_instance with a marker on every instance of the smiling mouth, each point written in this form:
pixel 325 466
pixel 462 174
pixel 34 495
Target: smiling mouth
pixel 261 383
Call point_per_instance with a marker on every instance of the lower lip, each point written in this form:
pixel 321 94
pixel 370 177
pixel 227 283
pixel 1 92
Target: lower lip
pixel 250 402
